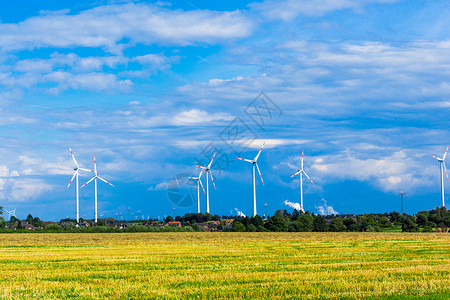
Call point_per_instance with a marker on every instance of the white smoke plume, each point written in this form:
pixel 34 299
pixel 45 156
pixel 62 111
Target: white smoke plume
pixel 294 205
pixel 325 209
pixel 240 213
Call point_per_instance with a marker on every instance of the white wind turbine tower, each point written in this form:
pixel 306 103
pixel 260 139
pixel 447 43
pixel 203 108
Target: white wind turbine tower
pixel 300 173
pixel 443 168
pixel 77 169
pixel 254 163
pixel 95 185
pixel 199 182
pixel 207 170
pixel 11 213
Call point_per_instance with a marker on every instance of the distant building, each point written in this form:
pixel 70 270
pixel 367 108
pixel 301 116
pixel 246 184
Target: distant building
pixel 174 224
pixel 25 225
pixel 85 224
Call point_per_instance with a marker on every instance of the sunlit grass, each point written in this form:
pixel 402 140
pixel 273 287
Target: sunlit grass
pixel 224 265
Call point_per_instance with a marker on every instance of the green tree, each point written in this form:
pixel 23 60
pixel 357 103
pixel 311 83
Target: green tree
pixel 422 218
pixel 395 217
pixel 29 219
pixel 257 221
pixel 366 223
pixel 350 224
pixel 306 222
pixel 36 222
pixel 320 224
pixel 409 225
pixel 384 222
pixel 277 223
pixel 251 228
pixel 337 225
pixel 101 223
pixel 168 219
pixel 238 226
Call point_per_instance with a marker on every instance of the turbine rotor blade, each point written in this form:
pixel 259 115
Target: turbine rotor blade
pixel 308 177
pixel 259 173
pixel 86 170
pixel 445 170
pixel 204 168
pixel 88 181
pixel 200 175
pixel 445 154
pixel 73 156
pixel 259 153
pixel 302 159
pixel 105 181
pixel 209 166
pixel 211 178
pixel 247 160
pixel 436 157
pixel 201 184
pixel 74 174
pixel 95 166
pixel 298 172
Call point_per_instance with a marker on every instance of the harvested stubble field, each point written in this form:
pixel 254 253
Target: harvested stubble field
pixel 225 265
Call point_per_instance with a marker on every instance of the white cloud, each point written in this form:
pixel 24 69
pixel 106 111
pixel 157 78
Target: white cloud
pixel 26 189
pixel 287 10
pixel 153 59
pixel 159 187
pixel 38 166
pixel 89 81
pixel 391 173
pixel 16 188
pixel 273 143
pixel 217 81
pixel 196 116
pixel 106 26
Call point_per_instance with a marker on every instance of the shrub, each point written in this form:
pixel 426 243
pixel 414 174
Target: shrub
pixel 428 228
pixel 52 227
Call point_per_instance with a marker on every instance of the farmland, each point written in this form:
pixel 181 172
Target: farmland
pixel 225 265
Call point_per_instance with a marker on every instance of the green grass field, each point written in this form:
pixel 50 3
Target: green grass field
pixel 225 265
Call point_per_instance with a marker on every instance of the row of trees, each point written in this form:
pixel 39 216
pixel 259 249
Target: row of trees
pixel 282 220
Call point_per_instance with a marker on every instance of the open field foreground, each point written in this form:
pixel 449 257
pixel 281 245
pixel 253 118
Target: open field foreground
pixel 224 265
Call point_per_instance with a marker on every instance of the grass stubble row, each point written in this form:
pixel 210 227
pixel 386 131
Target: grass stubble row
pixel 224 266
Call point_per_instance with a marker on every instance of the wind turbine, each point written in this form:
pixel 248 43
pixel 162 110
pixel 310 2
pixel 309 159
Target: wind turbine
pixel 11 213
pixel 301 172
pixel 402 194
pixel 77 169
pixel 254 163
pixel 207 170
pixel 199 182
pixel 95 184
pixel 443 168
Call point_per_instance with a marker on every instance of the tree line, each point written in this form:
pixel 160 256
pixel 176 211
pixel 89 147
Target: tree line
pixel 282 221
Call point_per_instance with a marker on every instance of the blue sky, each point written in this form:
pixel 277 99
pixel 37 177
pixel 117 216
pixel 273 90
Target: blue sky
pixel 151 89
